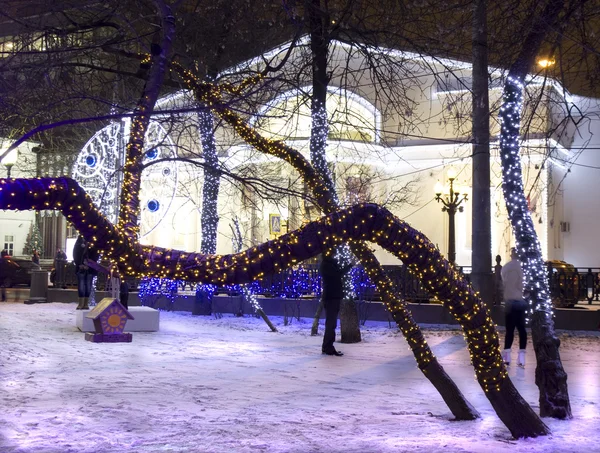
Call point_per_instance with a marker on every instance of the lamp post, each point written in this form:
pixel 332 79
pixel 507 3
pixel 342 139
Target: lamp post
pixel 9 160
pixel 451 200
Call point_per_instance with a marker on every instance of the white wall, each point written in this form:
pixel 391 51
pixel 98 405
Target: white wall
pixel 17 223
pixel 582 194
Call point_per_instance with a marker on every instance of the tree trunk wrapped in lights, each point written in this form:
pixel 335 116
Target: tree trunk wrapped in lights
pixel 210 194
pixel 132 170
pixel 210 189
pixel 550 375
pixel 318 22
pixel 367 222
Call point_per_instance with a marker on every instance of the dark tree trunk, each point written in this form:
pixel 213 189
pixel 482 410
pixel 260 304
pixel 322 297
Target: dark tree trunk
pixel 266 319
pixel 349 330
pixel 481 275
pixel 515 413
pixel 549 373
pixel 315 326
pixel 450 393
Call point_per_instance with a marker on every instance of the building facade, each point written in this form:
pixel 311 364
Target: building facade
pixel 397 128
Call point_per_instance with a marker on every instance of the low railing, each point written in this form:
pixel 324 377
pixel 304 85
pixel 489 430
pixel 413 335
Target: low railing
pixel 574 284
pixel 568 286
pixel 63 275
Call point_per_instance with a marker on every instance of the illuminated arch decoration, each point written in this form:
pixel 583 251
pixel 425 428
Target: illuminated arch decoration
pixel 96 169
pixel 288 116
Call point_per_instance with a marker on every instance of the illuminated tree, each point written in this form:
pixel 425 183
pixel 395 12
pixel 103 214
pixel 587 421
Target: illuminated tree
pixel 33 241
pixel 550 375
pixel 121 245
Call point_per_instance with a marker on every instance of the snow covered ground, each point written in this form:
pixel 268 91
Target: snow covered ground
pixel 230 385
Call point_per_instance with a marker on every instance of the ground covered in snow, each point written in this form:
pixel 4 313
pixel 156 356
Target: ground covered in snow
pixel 231 385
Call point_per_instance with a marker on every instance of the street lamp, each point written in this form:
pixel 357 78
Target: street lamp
pixel 9 160
pixel 451 199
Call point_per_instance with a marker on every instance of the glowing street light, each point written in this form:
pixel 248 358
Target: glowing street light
pixel 451 198
pixel 9 160
pixel 546 62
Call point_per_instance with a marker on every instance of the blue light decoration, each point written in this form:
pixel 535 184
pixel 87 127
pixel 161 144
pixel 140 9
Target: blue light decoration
pixel 150 290
pixel 527 243
pixel 91 160
pixel 152 154
pixel 205 292
pixel 361 283
pixel 153 205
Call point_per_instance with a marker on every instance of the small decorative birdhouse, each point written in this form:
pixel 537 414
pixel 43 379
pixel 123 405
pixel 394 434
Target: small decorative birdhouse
pixel 109 318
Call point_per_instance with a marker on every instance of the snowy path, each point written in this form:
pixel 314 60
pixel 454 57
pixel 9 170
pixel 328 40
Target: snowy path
pixel 230 385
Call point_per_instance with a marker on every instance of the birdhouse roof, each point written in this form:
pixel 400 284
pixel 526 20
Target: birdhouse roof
pixel 103 305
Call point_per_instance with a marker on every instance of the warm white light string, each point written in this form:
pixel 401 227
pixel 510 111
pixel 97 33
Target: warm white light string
pixel 527 243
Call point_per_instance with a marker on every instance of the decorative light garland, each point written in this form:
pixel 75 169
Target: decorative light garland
pixel 484 334
pixel 366 222
pixel 534 270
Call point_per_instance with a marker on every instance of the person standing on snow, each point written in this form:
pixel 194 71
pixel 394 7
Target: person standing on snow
pixel 333 291
pixel 514 307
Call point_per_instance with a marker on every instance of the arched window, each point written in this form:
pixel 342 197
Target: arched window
pixel 288 117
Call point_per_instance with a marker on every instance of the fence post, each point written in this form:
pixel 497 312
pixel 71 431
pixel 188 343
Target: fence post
pixel 498 281
pixel 589 284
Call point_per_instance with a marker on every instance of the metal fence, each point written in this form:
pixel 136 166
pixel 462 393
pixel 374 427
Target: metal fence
pixel 568 286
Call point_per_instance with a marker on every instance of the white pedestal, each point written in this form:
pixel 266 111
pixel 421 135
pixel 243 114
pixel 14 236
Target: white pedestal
pixel 146 320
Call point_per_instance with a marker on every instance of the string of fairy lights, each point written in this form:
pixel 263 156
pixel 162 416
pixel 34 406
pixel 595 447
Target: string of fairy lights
pixel 360 223
pixel 476 337
pixel 534 270
pixel 367 222
pixel 479 337
pixel 411 331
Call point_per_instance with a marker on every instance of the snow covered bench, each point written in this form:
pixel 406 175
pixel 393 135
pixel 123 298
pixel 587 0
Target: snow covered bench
pixel 146 319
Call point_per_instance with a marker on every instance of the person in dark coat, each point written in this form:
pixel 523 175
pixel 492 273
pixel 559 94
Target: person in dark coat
pixel 35 257
pixel 333 292
pixel 85 274
pixel 124 294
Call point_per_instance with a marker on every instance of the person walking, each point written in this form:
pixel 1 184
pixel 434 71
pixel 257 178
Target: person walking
pixel 333 292
pixel 515 307
pixel 85 274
